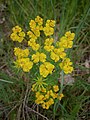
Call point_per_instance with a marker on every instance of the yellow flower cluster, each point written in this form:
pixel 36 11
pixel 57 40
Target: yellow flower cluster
pixel 31 35
pixel 57 53
pixel 48 29
pixel 22 59
pixel 36 26
pixel 66 40
pixel 33 44
pixel 17 34
pixel 20 53
pixel 47 55
pixel 38 57
pixel 46 97
pixel 48 44
pixel 46 68
pixel 66 65
pixel 24 63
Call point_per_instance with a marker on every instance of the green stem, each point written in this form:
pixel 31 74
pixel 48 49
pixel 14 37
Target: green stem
pixel 61 90
pixel 5 81
pixel 62 81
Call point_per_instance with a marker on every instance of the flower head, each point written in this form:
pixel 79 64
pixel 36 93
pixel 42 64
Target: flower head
pixel 46 68
pixel 38 57
pixel 24 63
pixel 20 53
pixel 17 34
pixel 66 65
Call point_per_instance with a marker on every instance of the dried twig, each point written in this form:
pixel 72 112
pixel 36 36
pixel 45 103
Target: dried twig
pixel 12 110
pixel 37 111
pixel 1 67
pixel 24 101
pixel 28 117
pixel 19 112
pixel 30 109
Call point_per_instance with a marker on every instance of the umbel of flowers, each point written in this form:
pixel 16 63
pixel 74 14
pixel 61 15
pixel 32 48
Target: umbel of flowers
pixel 45 55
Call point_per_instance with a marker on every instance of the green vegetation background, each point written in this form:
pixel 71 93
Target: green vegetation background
pixel 16 99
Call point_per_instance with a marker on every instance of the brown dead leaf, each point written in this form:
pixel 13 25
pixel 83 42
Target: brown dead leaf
pixel 68 79
pixel 87 63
